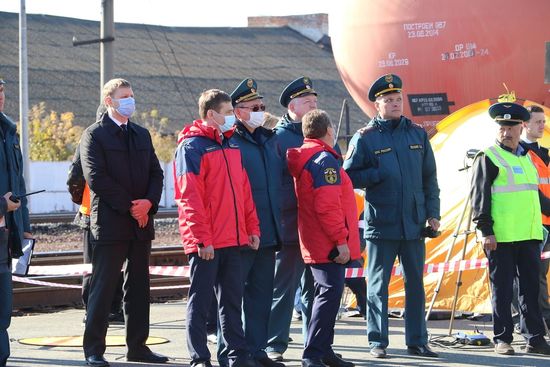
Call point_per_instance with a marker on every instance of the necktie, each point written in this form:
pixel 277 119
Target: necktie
pixel 125 136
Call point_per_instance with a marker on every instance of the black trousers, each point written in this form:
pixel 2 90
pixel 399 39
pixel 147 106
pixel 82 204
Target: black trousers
pixel 510 260
pixel 107 261
pixel 329 284
pixel 87 248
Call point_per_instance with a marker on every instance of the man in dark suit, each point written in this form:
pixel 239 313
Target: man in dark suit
pixel 125 179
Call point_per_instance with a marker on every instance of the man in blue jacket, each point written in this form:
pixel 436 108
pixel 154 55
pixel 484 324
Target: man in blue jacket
pixel 14 225
pixel 261 157
pixel 393 160
pixel 299 98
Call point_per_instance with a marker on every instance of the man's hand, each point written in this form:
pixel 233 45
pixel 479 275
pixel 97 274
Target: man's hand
pixel 489 243
pixel 207 252
pixel 253 242
pixel 27 235
pixel 344 256
pixel 12 205
pixel 140 211
pixel 434 223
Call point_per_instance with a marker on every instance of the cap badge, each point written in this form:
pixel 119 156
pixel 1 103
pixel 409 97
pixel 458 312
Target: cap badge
pixel 507 116
pixel 249 83
pixel 389 78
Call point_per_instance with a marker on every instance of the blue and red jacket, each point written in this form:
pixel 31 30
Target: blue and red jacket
pixel 327 212
pixel 212 191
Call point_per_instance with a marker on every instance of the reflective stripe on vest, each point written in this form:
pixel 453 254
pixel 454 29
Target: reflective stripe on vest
pixel 515 206
pixel 515 188
pixel 512 186
pixel 544 179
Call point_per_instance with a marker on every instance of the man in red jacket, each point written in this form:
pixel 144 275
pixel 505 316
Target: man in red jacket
pixel 217 217
pixel 328 229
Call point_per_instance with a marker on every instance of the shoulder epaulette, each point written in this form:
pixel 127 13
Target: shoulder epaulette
pixel 364 130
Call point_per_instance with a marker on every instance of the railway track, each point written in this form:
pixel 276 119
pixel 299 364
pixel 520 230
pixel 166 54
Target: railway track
pixel 67 217
pixel 36 297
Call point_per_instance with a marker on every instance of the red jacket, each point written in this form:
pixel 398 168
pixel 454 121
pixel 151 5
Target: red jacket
pixel 327 213
pixel 212 191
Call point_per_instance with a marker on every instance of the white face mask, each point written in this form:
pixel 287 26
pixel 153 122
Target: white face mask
pixel 256 119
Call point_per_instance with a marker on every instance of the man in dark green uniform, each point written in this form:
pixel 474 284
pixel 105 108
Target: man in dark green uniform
pixel 393 160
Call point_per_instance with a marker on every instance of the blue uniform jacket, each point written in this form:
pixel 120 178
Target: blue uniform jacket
pixel 397 169
pixel 290 135
pixel 11 179
pixel 261 155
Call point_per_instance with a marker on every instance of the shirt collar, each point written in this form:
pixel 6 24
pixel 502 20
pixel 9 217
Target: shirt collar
pixel 520 150
pixel 119 123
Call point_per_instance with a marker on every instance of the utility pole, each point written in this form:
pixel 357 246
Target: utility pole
pixel 24 94
pixel 106 47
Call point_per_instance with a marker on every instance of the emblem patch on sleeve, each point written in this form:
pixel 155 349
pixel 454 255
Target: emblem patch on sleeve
pixel 330 176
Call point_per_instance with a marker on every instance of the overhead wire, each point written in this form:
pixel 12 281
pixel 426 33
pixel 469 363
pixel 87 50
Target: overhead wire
pixel 172 77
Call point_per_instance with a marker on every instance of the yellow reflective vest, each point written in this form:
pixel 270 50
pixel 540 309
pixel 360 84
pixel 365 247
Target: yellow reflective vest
pixel 515 206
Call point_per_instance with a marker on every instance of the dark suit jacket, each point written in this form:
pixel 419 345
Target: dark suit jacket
pixel 118 173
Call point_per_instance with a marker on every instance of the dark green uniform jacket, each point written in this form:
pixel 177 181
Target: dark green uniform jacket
pixel 395 163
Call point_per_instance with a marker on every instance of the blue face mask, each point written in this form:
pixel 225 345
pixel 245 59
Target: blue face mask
pixel 126 106
pixel 229 122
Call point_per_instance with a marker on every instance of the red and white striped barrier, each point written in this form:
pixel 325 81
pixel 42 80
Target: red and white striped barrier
pixel 183 271
pixel 455 265
pixel 74 286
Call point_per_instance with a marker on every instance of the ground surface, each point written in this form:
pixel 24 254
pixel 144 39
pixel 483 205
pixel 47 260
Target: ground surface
pixel 168 321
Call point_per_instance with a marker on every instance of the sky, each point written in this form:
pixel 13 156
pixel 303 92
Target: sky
pixel 179 13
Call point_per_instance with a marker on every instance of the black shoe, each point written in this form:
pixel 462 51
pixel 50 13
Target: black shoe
pixel 148 357
pixel 334 361
pixel 422 350
pixel 267 362
pixel 116 318
pixel 378 352
pixel 312 362
pixel 202 364
pixel 543 348
pixel 242 361
pixel 97 360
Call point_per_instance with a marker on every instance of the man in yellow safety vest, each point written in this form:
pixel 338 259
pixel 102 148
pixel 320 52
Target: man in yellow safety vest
pixel 507 211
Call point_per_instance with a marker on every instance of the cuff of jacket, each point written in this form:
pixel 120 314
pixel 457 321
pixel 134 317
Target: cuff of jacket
pixel 154 206
pixel 486 231
pixel 3 206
